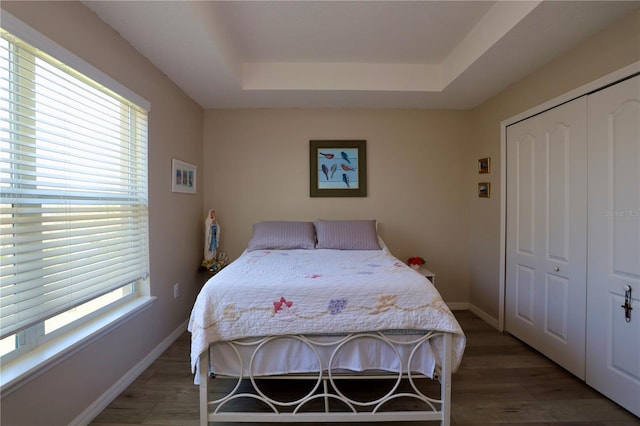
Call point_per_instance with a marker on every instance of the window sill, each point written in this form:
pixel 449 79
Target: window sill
pixel 29 366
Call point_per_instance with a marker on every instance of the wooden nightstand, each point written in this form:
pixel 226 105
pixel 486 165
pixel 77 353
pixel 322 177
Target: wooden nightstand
pixel 207 273
pixel 428 274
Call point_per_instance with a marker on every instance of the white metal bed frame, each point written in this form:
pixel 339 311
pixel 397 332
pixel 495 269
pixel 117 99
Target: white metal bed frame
pixel 436 408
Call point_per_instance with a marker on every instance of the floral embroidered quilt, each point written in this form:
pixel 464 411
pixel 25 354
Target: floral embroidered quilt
pixel 314 292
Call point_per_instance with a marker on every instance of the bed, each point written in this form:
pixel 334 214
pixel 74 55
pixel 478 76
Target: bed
pixel 322 305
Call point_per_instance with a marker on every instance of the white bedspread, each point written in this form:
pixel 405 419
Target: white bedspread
pixel 316 292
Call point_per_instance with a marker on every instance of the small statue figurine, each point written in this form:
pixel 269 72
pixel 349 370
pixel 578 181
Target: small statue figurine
pixel 211 241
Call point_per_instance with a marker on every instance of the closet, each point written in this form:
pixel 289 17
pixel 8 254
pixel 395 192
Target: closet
pixel 573 237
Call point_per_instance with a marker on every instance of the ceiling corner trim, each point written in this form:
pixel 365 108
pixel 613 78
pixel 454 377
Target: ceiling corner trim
pixel 341 76
pixel 207 16
pixel 494 25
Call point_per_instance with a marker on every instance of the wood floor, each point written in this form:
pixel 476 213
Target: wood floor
pixel 500 382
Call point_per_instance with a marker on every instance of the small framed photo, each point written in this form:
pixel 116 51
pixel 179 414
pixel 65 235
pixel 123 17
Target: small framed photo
pixel 484 165
pixel 484 190
pixel 183 177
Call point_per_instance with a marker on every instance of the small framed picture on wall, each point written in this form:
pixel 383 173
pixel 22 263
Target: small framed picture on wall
pixel 484 165
pixel 484 190
pixel 183 177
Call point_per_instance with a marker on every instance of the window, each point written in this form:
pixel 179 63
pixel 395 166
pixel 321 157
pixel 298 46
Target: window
pixel 73 197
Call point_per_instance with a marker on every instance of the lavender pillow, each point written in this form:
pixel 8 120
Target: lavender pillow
pixel 282 236
pixel 347 234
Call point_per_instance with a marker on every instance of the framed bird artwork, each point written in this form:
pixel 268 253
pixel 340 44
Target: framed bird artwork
pixel 338 168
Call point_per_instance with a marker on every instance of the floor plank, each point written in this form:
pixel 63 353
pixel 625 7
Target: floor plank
pixel 501 381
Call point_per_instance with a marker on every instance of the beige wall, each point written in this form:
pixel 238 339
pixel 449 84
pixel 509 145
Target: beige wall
pixel 439 155
pixel 175 130
pixel 257 168
pixel 608 51
pixel 253 165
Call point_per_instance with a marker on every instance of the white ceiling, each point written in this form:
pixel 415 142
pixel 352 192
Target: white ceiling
pixel 342 54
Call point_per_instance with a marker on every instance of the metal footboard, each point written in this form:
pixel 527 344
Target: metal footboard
pixel 328 402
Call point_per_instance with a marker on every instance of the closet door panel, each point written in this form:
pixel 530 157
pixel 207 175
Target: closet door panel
pixel 524 255
pixel 625 181
pixel 524 191
pixel 613 339
pixel 625 352
pixel 557 313
pixel 558 195
pixel 524 287
pixel 546 243
pixel 557 145
pixel 523 261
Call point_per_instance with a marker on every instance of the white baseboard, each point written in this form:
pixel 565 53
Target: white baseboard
pixel 464 306
pixel 458 306
pixel 493 322
pixel 92 411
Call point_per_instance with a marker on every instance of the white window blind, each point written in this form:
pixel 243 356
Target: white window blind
pixel 73 186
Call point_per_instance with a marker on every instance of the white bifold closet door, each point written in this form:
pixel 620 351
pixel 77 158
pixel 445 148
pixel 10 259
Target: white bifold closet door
pixel 613 338
pixel 546 233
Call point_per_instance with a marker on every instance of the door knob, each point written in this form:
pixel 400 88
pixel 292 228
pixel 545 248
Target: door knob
pixel 556 269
